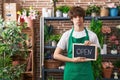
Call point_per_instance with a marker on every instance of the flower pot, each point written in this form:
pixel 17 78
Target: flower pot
pixel 107 72
pixel 65 14
pixel 58 13
pixel 15 63
pixel 54 43
pixel 104 12
pixel 93 14
pixel 105 48
pixel 29 22
pixel 113 12
pixel 114 51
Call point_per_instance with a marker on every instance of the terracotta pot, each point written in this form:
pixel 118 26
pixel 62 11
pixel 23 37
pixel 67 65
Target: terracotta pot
pixel 104 12
pixel 107 72
pixel 29 22
pixel 15 63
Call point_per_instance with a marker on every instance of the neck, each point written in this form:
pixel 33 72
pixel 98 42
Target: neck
pixel 78 28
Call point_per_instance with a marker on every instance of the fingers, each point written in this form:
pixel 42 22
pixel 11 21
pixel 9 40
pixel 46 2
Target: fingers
pixel 87 42
pixel 79 59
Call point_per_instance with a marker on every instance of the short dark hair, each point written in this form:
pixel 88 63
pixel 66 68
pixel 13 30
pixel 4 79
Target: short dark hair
pixel 76 11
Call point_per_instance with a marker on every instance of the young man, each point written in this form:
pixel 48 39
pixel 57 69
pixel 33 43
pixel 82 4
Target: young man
pixel 76 68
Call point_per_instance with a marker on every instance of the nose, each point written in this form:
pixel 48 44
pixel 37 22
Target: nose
pixel 78 18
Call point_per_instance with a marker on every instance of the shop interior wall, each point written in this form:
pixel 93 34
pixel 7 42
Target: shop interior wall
pixel 59 26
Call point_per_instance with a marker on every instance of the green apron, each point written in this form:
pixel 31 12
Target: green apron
pixel 79 70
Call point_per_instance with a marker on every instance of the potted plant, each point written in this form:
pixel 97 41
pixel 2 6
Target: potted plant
pixel 105 31
pixel 12 44
pixel 48 31
pixel 113 9
pixel 104 11
pixel 55 39
pixel 64 9
pixel 107 68
pixel 27 15
pixel 14 39
pixel 114 43
pixel 88 12
pixel 93 10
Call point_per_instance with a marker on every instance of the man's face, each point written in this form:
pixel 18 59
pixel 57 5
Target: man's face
pixel 77 21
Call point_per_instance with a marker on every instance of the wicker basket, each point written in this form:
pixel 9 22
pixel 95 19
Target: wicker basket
pixel 51 63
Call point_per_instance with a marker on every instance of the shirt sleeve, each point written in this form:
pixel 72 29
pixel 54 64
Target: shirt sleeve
pixel 63 41
pixel 96 41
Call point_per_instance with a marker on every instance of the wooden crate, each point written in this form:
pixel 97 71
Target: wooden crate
pixel 10 11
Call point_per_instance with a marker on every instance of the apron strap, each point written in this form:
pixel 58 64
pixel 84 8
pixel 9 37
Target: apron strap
pixel 69 41
pixel 87 36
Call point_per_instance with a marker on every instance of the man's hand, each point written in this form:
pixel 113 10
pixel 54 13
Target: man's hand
pixel 79 59
pixel 87 42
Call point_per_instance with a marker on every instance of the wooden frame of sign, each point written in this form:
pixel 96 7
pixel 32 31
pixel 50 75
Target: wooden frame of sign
pixel 88 51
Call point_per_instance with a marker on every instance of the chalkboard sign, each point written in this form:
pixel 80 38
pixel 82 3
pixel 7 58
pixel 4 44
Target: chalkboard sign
pixel 80 50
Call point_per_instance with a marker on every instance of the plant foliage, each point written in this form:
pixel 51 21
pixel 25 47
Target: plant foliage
pixel 12 43
pixel 92 8
pixel 96 26
pixel 64 8
pixel 48 30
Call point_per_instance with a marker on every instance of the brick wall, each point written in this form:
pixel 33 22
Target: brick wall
pixel 0 7
pixel 59 27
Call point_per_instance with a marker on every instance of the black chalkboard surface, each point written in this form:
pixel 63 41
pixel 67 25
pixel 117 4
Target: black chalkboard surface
pixel 80 50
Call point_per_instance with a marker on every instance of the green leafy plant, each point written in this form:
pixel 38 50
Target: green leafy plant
pixel 92 8
pixel 12 43
pixel 64 8
pixel 88 12
pixel 48 30
pixel 95 26
pixel 13 38
pixel 12 72
pixel 51 78
pixel 117 63
pixel 55 37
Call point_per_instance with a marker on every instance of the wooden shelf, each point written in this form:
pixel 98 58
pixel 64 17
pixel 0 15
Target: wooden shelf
pixel 28 72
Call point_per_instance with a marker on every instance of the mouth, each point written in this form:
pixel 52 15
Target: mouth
pixel 78 22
